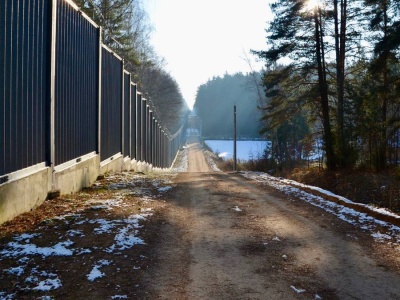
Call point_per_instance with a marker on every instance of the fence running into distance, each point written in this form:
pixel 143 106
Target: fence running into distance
pixel 64 95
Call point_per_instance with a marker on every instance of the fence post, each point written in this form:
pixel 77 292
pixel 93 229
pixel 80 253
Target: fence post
pixel 52 90
pixel 99 95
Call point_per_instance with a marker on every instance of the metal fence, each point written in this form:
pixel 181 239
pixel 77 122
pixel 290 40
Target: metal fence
pixel 127 112
pixel 76 84
pixel 111 104
pixel 133 120
pixel 63 95
pixel 24 84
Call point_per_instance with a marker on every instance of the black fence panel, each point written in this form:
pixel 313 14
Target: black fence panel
pixel 144 130
pixel 127 109
pixel 111 104
pixel 24 96
pixel 138 127
pixel 76 84
pixel 133 121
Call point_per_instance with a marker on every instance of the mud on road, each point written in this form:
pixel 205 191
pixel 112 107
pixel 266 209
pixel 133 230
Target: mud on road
pixel 192 235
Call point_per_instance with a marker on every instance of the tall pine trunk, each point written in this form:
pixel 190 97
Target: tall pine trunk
pixel 340 19
pixel 382 155
pixel 323 92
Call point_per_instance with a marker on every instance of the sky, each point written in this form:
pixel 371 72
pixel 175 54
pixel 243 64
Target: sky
pixel 207 38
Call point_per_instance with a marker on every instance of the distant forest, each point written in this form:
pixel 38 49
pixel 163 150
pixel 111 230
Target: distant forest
pixel 215 101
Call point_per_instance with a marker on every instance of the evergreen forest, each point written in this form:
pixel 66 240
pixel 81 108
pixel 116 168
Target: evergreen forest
pixel 332 77
pixel 215 101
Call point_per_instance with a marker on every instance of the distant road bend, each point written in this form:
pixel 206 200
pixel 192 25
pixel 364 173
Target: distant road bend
pixel 226 237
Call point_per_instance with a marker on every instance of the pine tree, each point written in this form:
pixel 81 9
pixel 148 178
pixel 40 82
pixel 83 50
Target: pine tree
pixel 385 24
pixel 297 36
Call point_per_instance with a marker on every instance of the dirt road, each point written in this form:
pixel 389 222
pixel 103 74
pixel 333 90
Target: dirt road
pixel 192 235
pixel 224 237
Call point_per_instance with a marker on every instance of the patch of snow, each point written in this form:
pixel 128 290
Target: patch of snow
pixel 16 249
pixel 105 226
pixel 83 251
pixel 381 236
pixel 73 233
pixel 344 213
pixel 298 291
pixel 31 279
pixel 18 271
pixel 4 296
pixel 164 189
pixel 48 284
pixel 236 208
pixel 25 237
pixel 119 297
pixel 276 239
pixel 96 273
pixel 108 204
pixel 181 161
pixel 125 239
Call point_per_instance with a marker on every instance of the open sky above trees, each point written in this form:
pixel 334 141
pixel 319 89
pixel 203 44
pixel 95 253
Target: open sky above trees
pixel 203 39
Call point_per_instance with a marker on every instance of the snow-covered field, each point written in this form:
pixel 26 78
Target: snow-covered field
pixel 245 150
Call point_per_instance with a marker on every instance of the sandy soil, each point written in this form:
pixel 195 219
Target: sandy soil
pixel 213 235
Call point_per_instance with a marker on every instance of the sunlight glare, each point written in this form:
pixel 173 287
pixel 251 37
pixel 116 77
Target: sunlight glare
pixel 310 5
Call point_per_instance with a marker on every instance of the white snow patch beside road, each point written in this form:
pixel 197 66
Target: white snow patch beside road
pixel 359 219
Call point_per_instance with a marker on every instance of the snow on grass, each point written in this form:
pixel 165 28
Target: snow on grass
pixel 48 285
pixel 4 296
pixel 236 208
pixel 26 237
pixel 298 291
pixel 164 189
pixel 14 249
pixel 119 297
pixel 73 233
pixel 105 226
pixel 96 273
pixel 181 162
pixel 349 215
pixel 209 157
pixel 107 204
pixel 18 271
pixel 123 234
pixel 125 239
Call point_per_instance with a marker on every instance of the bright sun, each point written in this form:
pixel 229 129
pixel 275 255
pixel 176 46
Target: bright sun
pixel 310 5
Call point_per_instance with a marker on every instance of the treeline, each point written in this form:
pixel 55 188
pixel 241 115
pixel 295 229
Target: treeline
pixel 333 75
pixel 215 101
pixel 126 30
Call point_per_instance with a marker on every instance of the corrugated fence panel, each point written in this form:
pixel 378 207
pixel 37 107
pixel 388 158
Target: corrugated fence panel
pixel 133 122
pixel 111 105
pixel 24 97
pixel 144 130
pixel 127 108
pixel 76 84
pixel 139 127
